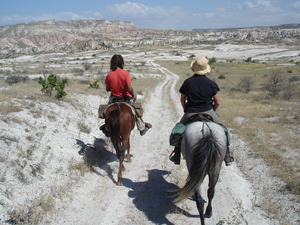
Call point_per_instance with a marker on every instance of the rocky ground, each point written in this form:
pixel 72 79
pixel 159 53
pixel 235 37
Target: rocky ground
pixel 41 145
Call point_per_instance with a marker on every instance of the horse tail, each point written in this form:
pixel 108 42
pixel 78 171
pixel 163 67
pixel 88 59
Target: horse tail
pixel 113 121
pixel 204 159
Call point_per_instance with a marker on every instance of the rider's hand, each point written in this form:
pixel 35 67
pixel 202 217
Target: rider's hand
pixel 134 97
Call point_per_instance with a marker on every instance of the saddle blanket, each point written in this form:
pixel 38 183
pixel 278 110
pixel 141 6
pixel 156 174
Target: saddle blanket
pixel 179 130
pixel 136 109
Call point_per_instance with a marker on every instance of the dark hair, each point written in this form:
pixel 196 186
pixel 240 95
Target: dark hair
pixel 116 61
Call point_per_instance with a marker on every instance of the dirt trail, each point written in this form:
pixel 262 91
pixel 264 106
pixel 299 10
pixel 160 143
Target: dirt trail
pixel 145 197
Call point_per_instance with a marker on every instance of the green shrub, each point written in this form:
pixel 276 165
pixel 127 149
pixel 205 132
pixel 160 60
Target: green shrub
pixel 212 60
pixel 94 85
pixel 249 59
pixel 51 83
pixel 221 77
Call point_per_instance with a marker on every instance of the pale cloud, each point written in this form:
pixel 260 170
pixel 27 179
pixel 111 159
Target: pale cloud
pixel 261 6
pixel 133 9
pixel 23 19
pixel 145 16
pixel 94 15
pixel 67 16
pixel 296 5
pixel 138 10
pixel 249 5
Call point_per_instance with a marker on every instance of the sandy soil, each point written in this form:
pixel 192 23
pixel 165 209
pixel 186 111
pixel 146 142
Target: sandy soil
pixel 146 196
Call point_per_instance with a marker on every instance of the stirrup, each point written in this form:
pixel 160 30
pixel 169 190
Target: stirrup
pixel 105 132
pixel 228 158
pixel 143 132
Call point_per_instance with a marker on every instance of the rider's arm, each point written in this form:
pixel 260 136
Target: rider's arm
pixel 130 90
pixel 216 101
pixel 107 88
pixel 183 100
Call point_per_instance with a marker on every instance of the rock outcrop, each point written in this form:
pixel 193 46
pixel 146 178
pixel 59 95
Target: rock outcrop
pixel 82 35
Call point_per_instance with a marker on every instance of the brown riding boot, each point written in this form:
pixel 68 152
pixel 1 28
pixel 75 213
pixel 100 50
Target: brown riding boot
pixel 175 156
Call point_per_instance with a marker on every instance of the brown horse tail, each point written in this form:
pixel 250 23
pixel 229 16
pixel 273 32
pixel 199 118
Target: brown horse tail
pixel 114 131
pixel 205 156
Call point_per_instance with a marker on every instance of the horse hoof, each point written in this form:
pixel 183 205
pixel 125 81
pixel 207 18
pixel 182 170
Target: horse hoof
pixel 208 215
pixel 119 183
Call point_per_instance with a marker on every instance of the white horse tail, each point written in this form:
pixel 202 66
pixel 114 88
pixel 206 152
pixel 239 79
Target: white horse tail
pixel 205 156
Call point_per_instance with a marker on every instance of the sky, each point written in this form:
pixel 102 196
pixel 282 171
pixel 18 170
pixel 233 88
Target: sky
pixel 157 14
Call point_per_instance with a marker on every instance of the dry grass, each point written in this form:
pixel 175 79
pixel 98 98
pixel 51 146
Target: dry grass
pixel 269 125
pixel 18 90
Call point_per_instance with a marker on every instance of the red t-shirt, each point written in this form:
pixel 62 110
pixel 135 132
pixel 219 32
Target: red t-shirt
pixel 117 81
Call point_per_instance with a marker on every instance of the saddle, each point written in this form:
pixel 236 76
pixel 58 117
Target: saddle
pixel 201 117
pixel 136 108
pixel 179 129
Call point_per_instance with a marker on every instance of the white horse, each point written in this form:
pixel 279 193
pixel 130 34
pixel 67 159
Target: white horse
pixel 203 146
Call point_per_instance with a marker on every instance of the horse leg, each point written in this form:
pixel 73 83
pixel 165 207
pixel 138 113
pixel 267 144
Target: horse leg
pixel 200 205
pixel 213 179
pixel 120 156
pixel 121 168
pixel 128 151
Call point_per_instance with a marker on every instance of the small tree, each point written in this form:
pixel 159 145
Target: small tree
pixel 246 84
pixel 275 82
pixel 51 83
pixel 212 60
pixel 289 91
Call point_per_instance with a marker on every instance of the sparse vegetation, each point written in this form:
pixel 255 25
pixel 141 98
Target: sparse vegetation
pixel 51 83
pixel 14 79
pixel 270 124
pixel 87 66
pixel 246 84
pixel 274 83
pixel 259 128
pixel 212 60
pixel 94 84
pixel 83 128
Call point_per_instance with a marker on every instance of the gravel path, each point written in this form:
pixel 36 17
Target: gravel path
pixel 146 196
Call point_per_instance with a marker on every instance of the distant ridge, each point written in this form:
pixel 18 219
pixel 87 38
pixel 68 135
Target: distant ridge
pixel 83 35
pixel 282 26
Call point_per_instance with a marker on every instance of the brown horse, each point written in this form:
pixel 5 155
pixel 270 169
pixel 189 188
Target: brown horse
pixel 119 122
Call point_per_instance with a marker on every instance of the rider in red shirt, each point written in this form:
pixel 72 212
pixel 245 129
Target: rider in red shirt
pixel 118 82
